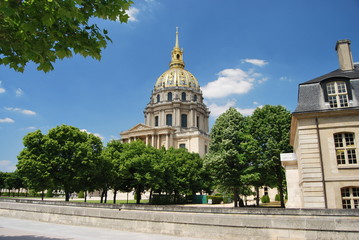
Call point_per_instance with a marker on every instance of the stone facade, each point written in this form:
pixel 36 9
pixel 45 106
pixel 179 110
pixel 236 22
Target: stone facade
pixel 176 115
pixel 324 173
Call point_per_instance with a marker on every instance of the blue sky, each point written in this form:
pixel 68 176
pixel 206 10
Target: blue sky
pixel 245 54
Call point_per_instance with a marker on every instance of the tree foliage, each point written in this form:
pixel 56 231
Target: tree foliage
pixel 229 159
pixel 270 127
pixel 66 158
pixel 43 31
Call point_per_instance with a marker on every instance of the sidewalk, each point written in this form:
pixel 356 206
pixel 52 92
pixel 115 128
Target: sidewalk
pixel 19 229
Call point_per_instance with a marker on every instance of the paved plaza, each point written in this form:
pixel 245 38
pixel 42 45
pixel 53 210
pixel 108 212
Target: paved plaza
pixel 18 229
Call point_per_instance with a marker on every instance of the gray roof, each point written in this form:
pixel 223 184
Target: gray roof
pixel 311 94
pixel 337 73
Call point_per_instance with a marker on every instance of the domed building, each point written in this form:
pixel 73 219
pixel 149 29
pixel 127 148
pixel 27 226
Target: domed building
pixel 176 115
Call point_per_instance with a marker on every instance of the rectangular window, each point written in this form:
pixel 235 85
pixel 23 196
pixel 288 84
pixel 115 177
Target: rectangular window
pixel 197 122
pixel 156 121
pixel 182 145
pixel 350 198
pixel 337 94
pixel 184 120
pixel 169 119
pixel 345 148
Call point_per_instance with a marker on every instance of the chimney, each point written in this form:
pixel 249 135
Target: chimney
pixel 344 55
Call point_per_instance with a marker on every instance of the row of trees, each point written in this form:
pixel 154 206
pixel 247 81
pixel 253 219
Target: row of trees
pixel 72 160
pixel 245 151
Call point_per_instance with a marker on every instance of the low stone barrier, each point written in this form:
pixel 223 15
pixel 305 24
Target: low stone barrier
pixel 209 223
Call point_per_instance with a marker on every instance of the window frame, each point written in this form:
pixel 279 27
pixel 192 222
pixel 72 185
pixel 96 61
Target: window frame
pixel 345 149
pixel 156 121
pixel 169 119
pixel 183 96
pixel 327 95
pixel 350 197
pixel 169 96
pixel 184 121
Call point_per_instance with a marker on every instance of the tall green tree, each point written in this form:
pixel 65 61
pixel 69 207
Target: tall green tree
pixel 270 127
pixel 43 31
pixel 68 159
pixel 112 153
pixel 228 159
pixel 136 166
pixel 33 164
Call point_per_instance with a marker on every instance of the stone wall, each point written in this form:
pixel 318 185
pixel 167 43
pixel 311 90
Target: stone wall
pixel 202 222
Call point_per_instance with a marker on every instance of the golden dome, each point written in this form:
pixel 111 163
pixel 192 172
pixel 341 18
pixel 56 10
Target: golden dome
pixel 177 76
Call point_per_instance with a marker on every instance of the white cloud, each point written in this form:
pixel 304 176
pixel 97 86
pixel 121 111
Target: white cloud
pixel 23 111
pixel 257 62
pixel 132 13
pixel 96 134
pixel 7 166
pixel 6 120
pixel 2 90
pixel 19 92
pixel 230 81
pixel 30 128
pixel 217 110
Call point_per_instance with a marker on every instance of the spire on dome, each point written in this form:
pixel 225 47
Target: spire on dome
pixel 177 42
pixel 177 54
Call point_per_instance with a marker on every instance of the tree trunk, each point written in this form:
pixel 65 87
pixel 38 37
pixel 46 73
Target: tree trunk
pixel 257 196
pixel 67 196
pixel 106 196
pixel 150 200
pixel 235 192
pixel 138 194
pixel 42 195
pixel 102 196
pixel 85 196
pixel 114 196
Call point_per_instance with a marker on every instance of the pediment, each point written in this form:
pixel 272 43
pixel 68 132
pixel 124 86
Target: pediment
pixel 139 127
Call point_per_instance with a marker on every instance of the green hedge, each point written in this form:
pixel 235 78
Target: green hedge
pixel 215 199
pixel 265 199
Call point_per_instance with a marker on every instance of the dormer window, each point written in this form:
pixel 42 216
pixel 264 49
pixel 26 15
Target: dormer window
pixel 337 94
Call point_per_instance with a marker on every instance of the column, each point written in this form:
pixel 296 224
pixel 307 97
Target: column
pixel 167 141
pixel 153 140
pixel 158 141
pixel 146 140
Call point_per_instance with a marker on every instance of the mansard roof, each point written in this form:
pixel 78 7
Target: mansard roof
pixel 354 74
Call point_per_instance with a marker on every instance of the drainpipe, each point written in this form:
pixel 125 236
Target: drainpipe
pixel 321 164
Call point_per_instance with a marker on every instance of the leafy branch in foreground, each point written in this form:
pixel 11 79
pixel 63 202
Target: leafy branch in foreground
pixel 43 31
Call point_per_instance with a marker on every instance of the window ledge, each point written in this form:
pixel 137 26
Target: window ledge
pixel 354 166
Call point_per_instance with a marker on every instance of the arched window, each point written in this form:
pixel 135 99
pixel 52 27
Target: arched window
pixel 337 94
pixel 156 121
pixel 345 148
pixel 350 197
pixel 183 96
pixel 169 96
pixel 169 119
pixel 195 98
pixel 158 98
pixel 184 120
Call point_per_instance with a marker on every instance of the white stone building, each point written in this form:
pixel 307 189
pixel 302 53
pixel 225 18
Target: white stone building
pixel 324 170
pixel 176 115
